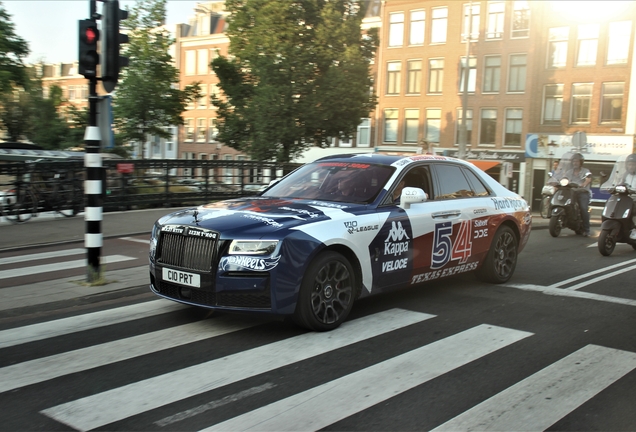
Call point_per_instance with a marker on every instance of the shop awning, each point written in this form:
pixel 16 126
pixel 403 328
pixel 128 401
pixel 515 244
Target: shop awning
pixel 484 165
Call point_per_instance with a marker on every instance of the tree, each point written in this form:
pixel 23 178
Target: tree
pixel 297 75
pixel 13 50
pixel 147 100
pixel 46 126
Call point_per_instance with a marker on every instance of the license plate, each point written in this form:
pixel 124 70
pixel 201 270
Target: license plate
pixel 181 277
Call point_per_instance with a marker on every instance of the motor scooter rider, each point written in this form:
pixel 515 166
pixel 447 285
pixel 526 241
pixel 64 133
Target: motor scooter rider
pixel 629 179
pixel 583 178
pixel 630 171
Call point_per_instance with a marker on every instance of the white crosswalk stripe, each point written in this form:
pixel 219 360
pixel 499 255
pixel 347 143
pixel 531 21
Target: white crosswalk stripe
pixel 541 400
pixel 326 404
pixel 34 371
pixel 64 265
pixel 117 404
pixel 35 332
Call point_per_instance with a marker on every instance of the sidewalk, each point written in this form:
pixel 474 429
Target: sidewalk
pixel 48 229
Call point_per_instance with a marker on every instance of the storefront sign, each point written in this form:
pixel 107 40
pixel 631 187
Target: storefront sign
pixel 596 147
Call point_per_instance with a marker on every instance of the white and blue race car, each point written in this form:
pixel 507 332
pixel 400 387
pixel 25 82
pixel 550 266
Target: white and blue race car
pixel 338 229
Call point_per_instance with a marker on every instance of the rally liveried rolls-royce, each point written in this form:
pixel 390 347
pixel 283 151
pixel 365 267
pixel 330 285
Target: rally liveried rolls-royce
pixel 338 229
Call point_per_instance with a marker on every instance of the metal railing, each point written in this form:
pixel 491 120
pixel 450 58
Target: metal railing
pixel 131 184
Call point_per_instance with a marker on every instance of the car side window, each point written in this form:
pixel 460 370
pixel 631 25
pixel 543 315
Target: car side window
pixel 452 183
pixel 477 184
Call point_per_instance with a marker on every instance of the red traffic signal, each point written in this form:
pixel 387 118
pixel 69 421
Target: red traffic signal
pixel 91 35
pixel 88 57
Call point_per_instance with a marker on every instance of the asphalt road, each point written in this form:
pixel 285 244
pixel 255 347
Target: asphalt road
pixel 554 348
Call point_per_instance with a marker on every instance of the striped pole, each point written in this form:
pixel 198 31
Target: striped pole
pixel 93 211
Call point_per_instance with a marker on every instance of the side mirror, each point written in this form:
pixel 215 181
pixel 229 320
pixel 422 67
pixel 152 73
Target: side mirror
pixel 411 195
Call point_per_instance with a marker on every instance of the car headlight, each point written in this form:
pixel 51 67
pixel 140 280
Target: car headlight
pixel 154 238
pixel 253 247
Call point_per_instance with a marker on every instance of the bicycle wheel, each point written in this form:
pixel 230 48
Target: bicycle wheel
pixel 545 206
pixel 62 200
pixel 19 205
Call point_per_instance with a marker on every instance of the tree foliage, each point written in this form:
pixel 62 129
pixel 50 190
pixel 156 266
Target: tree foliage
pixel 13 50
pixel 297 75
pixel 147 99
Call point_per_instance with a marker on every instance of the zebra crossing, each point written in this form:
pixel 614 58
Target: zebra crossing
pixel 170 399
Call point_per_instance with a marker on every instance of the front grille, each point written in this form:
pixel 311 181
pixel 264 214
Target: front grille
pixel 178 249
pixel 250 301
pixel 193 295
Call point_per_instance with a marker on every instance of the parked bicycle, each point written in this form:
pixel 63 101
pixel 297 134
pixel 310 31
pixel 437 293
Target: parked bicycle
pixel 31 194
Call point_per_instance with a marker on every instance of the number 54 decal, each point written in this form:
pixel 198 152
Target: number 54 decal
pixel 444 249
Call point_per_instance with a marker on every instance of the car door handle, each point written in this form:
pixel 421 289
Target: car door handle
pixel 446 214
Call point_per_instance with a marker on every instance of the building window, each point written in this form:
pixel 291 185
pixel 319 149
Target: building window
pixel 411 125
pixel 492 74
pixel 472 74
pixel 439 25
pixel 496 12
pixel 587 45
pixel 213 131
pixel 363 137
pixel 581 101
pixel 189 129
pixel 469 125
pixel 416 31
pixel 201 129
pixel 520 20
pixel 618 42
pixel 433 125
pixel 203 100
pixel 514 123
pixel 390 125
pixel 203 64
pixel 470 24
pixel 435 75
pixel 517 74
pixel 558 47
pixel 552 103
pixel 71 92
pixel 488 127
pixel 396 29
pixel 414 77
pixel 191 62
pixel 612 102
pixel 394 76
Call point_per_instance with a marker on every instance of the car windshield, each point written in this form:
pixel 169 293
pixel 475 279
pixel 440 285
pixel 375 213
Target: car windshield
pixel 333 181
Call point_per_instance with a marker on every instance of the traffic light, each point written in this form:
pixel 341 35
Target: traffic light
pixel 111 61
pixel 88 58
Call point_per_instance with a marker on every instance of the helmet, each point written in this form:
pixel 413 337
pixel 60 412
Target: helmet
pixel 578 156
pixel 631 158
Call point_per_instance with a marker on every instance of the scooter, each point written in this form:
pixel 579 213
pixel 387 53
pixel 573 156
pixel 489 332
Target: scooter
pixel 617 220
pixel 564 209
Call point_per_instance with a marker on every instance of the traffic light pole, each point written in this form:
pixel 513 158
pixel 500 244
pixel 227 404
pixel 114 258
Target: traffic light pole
pixel 93 239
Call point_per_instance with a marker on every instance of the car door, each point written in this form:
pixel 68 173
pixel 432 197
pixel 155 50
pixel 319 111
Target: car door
pixel 446 244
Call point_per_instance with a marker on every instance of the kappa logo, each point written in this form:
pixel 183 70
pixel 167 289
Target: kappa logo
pixel 397 233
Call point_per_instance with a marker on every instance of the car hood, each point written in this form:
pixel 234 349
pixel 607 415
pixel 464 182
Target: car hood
pixel 257 216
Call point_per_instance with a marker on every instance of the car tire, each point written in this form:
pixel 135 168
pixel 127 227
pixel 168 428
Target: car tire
pixel 326 294
pixel 501 259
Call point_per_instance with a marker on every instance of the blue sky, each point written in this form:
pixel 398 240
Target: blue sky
pixel 50 26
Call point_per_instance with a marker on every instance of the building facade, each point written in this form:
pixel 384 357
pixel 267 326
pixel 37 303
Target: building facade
pixel 526 73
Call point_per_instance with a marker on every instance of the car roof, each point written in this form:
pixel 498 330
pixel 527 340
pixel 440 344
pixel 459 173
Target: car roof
pixel 389 159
